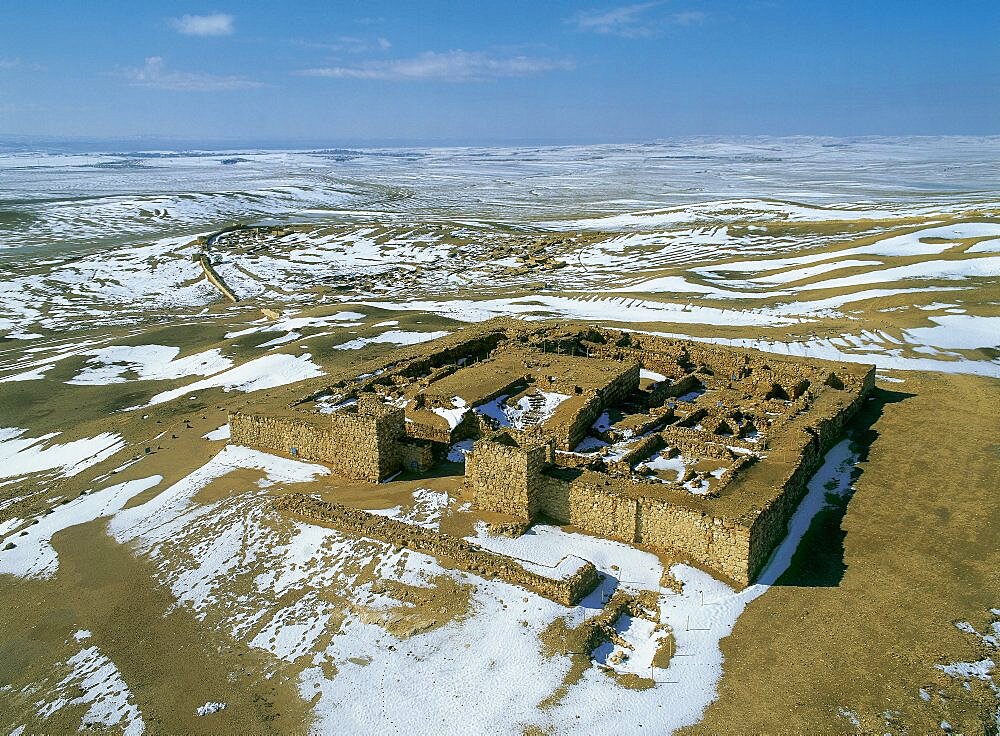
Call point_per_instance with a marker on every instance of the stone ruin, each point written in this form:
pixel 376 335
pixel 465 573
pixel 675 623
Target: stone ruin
pixel 698 450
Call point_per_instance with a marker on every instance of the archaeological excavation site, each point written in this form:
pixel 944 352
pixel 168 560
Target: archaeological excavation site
pixel 697 452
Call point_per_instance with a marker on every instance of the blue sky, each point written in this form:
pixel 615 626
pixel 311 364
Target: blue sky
pixel 556 71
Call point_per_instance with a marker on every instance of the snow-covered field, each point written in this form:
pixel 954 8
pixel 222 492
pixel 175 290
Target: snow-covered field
pixel 206 552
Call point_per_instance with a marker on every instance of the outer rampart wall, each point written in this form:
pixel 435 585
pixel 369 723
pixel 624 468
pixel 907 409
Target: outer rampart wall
pixel 565 590
pixel 771 524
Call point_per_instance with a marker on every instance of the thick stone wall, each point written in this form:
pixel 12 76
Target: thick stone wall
pixel 610 515
pixel 771 524
pixel 364 445
pixel 717 542
pixel 570 432
pixel 506 477
pixel 308 437
pixel 565 590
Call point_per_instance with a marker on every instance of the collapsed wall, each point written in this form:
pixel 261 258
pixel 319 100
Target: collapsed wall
pixel 567 589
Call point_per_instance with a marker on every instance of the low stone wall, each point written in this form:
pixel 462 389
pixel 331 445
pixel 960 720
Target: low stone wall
pixel 567 591
pixel 642 450
pixel 215 279
pixel 703 444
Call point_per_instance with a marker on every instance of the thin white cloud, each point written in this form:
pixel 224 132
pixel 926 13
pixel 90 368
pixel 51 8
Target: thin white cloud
pixel 351 44
pixel 7 63
pixel 155 75
pixel 686 17
pixel 216 24
pixel 449 66
pixel 633 21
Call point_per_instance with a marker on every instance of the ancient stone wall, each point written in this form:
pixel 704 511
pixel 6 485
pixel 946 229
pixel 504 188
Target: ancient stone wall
pixel 416 455
pixel 717 542
pixel 308 437
pixel 570 432
pixel 770 526
pixel 703 444
pixel 505 477
pixel 215 279
pixel 361 444
pixel 594 509
pixel 567 590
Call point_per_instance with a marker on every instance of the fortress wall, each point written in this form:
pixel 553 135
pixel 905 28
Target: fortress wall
pixel 364 446
pixel 718 543
pixel 594 509
pixel 564 590
pixel 367 444
pixel 598 509
pixel 312 440
pixel 421 431
pixel 553 498
pixel 771 524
